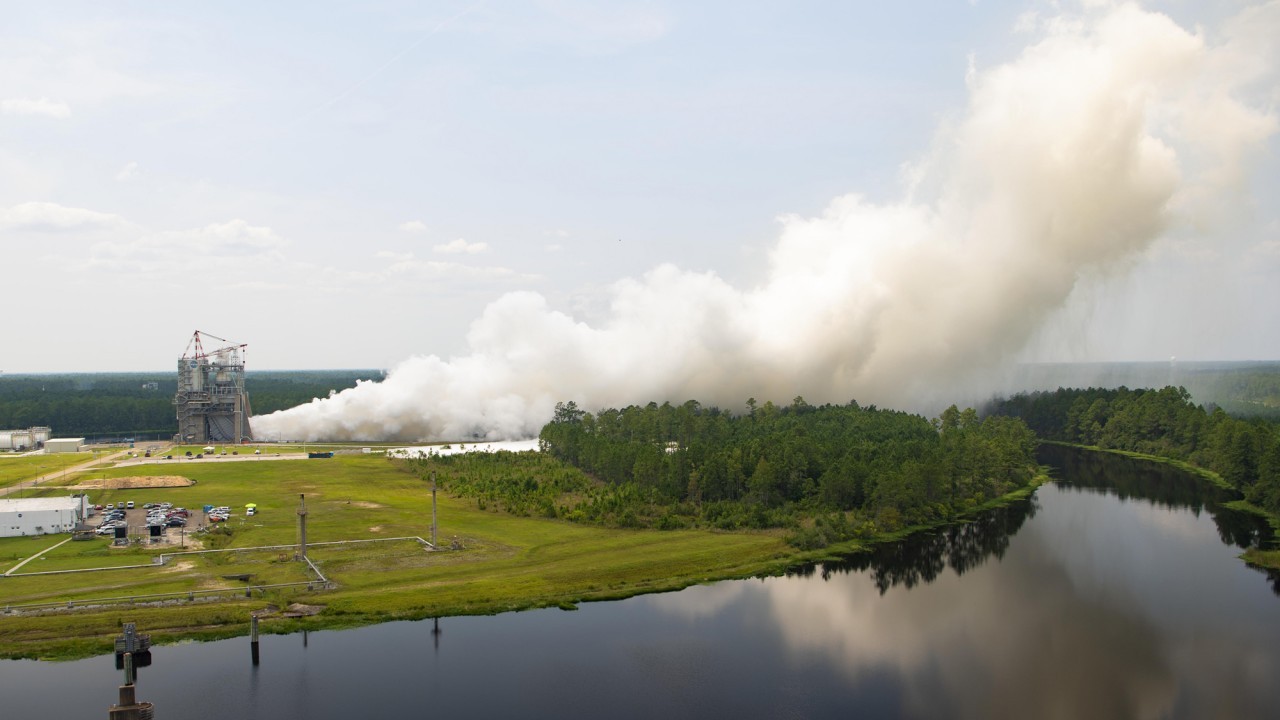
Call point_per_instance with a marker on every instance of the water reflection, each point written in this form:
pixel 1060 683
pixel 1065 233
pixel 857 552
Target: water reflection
pixel 1096 609
pixel 1015 638
pixel 923 557
pixel 1158 484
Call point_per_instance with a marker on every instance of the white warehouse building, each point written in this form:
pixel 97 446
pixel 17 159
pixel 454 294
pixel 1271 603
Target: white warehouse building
pixel 63 445
pixel 42 516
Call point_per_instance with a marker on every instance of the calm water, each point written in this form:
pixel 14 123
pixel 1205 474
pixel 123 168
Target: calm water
pixel 1116 593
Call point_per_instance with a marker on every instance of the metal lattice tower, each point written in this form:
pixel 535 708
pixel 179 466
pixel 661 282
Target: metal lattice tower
pixel 212 403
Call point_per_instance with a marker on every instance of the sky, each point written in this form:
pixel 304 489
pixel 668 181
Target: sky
pixel 752 197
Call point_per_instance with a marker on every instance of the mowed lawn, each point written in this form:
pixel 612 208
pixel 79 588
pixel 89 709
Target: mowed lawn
pixel 504 563
pixel 15 470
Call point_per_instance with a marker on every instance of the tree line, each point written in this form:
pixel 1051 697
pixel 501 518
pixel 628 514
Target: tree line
pixel 123 404
pixel 1164 422
pixel 827 473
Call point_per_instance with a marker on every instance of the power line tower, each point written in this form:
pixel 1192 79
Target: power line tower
pixel 211 400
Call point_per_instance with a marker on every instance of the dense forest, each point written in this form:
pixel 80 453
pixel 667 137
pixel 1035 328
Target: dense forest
pixel 1165 422
pixel 114 405
pixel 852 471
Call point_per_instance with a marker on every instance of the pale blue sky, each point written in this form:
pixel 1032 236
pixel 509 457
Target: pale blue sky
pixel 345 184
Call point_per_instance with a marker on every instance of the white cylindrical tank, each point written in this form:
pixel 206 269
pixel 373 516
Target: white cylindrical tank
pixel 197 374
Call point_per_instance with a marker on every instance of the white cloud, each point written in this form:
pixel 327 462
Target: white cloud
pixel 45 216
pixel 553 247
pixel 437 270
pixel 128 172
pixel 1027 22
pixel 232 241
pixel 461 246
pixel 413 226
pixel 35 106
pixel 235 237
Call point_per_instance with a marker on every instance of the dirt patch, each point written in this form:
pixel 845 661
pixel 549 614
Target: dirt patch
pixel 135 483
pixel 365 504
pixel 376 528
pixel 184 565
pixel 300 610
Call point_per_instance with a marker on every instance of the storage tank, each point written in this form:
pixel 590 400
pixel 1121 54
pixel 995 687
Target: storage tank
pixel 197 375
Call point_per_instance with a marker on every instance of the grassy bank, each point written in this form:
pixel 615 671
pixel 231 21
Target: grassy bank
pixel 505 563
pixel 1209 475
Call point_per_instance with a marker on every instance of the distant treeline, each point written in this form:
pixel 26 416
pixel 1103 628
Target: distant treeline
pixel 141 404
pixel 1244 392
pixel 826 472
pixel 1165 422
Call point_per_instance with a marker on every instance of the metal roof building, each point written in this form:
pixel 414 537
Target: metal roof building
pixel 63 445
pixel 41 516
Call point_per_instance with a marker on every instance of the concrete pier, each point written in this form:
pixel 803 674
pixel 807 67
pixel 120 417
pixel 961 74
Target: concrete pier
pixel 253 638
pixel 128 708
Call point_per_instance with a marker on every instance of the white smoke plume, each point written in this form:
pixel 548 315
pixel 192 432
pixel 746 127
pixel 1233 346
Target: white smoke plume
pixel 1068 162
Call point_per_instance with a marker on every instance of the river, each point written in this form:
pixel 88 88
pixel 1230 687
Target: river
pixel 1115 592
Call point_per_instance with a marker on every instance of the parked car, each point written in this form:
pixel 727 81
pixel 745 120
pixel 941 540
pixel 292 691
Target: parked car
pixel 129 504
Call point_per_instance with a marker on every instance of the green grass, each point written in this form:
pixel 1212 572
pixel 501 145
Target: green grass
pixel 507 563
pixel 1262 558
pixel 16 470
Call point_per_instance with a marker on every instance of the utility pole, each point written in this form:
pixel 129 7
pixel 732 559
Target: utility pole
pixel 302 527
pixel 433 509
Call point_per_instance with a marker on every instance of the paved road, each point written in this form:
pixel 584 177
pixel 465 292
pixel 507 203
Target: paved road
pixel 180 460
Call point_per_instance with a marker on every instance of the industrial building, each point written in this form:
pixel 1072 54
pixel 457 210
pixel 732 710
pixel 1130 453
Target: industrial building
pixel 212 404
pixel 64 445
pixel 29 439
pixel 42 516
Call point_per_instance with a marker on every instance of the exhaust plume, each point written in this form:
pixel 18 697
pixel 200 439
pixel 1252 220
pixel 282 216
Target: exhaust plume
pixel 1066 165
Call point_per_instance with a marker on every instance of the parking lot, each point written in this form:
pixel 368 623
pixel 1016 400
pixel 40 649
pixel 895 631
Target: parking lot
pixel 176 522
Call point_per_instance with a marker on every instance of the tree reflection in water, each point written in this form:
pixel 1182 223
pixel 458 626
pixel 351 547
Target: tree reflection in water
pixel 923 557
pixel 1158 484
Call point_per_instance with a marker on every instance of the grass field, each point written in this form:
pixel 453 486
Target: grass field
pixel 15 470
pixel 505 563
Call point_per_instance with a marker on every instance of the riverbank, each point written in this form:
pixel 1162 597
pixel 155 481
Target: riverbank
pixel 504 562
